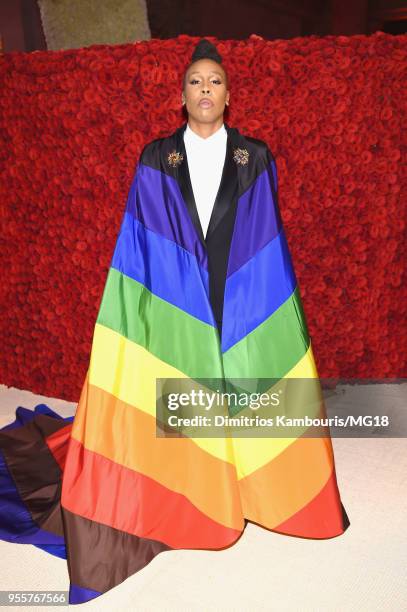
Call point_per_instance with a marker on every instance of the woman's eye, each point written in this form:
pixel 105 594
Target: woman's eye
pixel 197 81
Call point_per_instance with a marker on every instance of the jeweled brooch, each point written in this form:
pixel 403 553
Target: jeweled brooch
pixel 175 158
pixel 241 156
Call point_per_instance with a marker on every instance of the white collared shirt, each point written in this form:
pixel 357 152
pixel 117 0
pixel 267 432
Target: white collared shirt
pixel 206 158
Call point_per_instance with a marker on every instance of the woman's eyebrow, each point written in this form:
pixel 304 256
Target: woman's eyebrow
pixel 212 72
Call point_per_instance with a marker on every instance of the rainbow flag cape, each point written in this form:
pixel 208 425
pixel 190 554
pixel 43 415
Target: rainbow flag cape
pixel 103 489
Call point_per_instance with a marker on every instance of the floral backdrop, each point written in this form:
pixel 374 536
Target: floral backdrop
pixel 73 124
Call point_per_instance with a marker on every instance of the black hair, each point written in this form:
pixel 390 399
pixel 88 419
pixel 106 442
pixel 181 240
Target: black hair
pixel 205 50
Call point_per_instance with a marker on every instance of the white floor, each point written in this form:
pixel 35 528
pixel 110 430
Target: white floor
pixel 365 570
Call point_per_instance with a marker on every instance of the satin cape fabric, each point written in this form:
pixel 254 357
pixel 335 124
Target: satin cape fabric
pixel 103 490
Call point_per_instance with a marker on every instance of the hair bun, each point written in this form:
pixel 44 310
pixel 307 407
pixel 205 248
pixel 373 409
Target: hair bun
pixel 206 50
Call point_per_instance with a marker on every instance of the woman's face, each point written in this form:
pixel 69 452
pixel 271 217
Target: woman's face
pixel 205 79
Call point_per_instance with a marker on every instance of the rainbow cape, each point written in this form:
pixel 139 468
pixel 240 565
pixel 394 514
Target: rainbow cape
pixel 103 489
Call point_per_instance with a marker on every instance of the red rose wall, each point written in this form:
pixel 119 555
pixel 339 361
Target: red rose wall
pixel 73 124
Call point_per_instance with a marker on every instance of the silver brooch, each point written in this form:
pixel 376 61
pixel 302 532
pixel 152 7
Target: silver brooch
pixel 241 156
pixel 174 158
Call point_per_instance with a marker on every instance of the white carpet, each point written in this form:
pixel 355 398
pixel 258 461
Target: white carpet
pixel 364 570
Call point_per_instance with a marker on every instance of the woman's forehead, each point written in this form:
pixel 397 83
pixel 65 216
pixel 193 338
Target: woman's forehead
pixel 205 66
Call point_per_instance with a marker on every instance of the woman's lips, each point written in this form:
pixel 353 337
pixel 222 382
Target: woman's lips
pixel 205 103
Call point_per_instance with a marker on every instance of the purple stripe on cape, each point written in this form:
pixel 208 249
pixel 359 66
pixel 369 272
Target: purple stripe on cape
pixel 78 594
pixel 257 220
pixel 156 201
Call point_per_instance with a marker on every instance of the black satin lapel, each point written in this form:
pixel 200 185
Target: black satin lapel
pixel 184 181
pixel 227 186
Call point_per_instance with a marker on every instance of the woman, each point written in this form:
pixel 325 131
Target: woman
pixel 200 288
